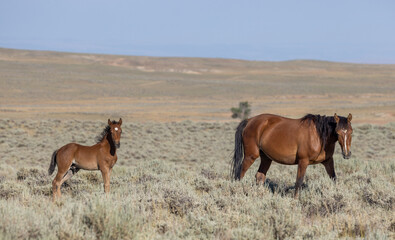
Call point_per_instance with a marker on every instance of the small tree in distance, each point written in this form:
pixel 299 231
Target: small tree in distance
pixel 242 112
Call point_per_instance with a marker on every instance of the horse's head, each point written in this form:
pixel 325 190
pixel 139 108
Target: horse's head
pixel 116 130
pixel 344 134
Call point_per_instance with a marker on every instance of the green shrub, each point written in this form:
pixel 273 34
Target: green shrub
pixel 242 112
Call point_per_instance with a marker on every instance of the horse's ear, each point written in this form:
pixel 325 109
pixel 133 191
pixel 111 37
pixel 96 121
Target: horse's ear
pixel 120 121
pixel 336 118
pixel 109 122
pixel 349 117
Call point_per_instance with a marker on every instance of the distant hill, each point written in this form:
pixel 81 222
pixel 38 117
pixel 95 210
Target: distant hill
pixel 58 84
pixel 185 65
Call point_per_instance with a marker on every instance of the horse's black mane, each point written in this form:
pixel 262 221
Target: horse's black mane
pixel 324 125
pixel 106 130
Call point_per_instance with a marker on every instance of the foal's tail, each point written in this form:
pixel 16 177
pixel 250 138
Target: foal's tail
pixel 239 151
pixel 52 165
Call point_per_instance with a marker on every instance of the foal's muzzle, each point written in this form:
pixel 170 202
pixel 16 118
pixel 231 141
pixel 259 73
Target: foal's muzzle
pixel 118 144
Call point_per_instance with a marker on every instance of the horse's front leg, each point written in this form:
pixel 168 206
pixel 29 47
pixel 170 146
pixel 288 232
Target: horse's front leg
pixel 302 166
pixel 330 168
pixel 106 172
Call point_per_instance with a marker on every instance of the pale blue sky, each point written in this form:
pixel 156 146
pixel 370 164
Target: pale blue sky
pixel 347 30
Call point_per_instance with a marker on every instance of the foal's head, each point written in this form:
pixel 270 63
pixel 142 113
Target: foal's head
pixel 115 130
pixel 344 131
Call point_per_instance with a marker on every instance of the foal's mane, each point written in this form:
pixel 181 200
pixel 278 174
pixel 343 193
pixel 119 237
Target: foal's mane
pixel 324 125
pixel 106 130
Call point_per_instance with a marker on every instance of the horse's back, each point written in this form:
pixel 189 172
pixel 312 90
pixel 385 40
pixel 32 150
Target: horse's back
pixel 68 149
pixel 268 124
pixel 83 156
pixel 278 137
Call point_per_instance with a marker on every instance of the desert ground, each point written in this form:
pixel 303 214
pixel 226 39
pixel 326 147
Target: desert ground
pixel 54 85
pixel 172 179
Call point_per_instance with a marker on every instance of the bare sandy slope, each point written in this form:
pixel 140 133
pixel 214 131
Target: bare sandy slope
pixel 52 85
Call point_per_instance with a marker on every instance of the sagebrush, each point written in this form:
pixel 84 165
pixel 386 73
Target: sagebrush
pixel 172 182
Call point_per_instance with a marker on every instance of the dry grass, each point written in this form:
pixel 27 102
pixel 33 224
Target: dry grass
pixel 172 181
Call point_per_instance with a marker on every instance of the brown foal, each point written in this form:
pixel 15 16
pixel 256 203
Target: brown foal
pixel 72 157
pixel 305 141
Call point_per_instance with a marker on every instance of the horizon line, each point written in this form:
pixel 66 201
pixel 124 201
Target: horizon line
pixel 189 57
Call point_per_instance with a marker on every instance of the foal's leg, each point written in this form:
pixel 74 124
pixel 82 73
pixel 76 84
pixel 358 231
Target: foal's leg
pixel 57 182
pixel 56 185
pixel 63 166
pixel 330 168
pixel 70 173
pixel 265 165
pixel 251 152
pixel 106 172
pixel 303 163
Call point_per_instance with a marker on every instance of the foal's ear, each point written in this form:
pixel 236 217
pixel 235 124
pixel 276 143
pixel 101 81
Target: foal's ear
pixel 336 118
pixel 109 122
pixel 349 117
pixel 120 122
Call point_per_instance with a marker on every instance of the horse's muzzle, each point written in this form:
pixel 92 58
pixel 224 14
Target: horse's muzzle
pixel 118 145
pixel 346 156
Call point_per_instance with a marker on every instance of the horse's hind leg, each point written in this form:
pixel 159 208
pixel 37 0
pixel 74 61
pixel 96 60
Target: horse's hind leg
pixel 70 173
pixel 265 165
pixel 251 152
pixel 60 178
pixel 63 167
pixel 56 183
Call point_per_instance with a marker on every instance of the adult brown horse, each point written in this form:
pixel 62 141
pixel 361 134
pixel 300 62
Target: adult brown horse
pixel 305 141
pixel 102 156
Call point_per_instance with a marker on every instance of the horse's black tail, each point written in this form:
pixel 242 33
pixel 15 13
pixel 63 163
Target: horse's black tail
pixel 52 165
pixel 239 151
